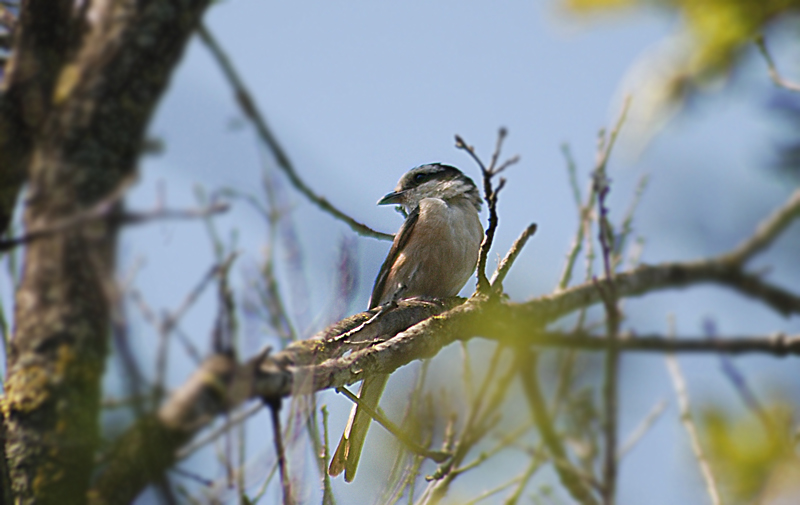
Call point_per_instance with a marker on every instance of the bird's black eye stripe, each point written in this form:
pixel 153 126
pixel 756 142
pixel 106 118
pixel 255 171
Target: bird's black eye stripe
pixel 420 178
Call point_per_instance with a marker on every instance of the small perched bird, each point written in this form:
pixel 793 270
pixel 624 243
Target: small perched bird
pixel 432 256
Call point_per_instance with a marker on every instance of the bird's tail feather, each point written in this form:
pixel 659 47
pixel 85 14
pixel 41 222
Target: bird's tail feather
pixel 349 451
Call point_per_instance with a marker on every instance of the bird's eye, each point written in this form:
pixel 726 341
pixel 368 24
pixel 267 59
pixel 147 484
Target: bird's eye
pixel 419 178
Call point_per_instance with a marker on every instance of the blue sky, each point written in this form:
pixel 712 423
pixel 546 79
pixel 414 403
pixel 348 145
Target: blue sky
pixel 358 92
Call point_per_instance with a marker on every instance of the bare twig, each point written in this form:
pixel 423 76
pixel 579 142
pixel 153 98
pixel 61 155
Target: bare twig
pixel 327 491
pixel 153 320
pixel 275 409
pixel 572 171
pixel 642 429
pixel 491 492
pixel 254 115
pixel 767 231
pixel 570 477
pixel 516 248
pixel 490 194
pixel 169 321
pixel 686 418
pixel 482 416
pixel 626 228
pixel 776 77
pixel 437 456
pixel 608 293
pixel 106 210
pixel 584 223
pixel 233 420
pixel 533 467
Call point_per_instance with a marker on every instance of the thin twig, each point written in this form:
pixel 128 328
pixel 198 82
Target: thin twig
pixel 584 224
pixel 570 476
pixel 491 492
pixel 626 228
pixel 490 194
pixel 327 491
pixel 516 248
pixel 231 421
pixel 642 429
pixel 572 171
pixel 254 115
pixel 169 321
pixel 767 231
pixel 153 320
pixel 437 456
pixel 275 409
pixel 104 211
pixel 533 467
pixel 776 77
pixel 608 293
pixel 686 418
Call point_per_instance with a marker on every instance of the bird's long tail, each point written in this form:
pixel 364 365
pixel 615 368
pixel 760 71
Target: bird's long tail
pixel 349 451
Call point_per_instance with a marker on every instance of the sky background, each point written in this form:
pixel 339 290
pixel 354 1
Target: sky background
pixel 359 92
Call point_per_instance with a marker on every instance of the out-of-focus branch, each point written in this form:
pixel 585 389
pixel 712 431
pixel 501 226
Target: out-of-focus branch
pixel 220 385
pixel 437 456
pixel 608 293
pixel 251 111
pixel 570 477
pixel 778 345
pixel 642 429
pixel 776 77
pixel 686 419
pixel 767 231
pixel 104 210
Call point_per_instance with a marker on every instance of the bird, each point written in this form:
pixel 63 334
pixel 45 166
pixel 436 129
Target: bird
pixel 432 256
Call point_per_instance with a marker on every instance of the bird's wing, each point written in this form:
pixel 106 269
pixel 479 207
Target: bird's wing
pixel 400 241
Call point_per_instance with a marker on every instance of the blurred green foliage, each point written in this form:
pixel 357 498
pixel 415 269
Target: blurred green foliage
pixel 714 32
pixel 747 450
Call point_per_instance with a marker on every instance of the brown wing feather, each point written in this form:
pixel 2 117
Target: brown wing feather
pixel 400 241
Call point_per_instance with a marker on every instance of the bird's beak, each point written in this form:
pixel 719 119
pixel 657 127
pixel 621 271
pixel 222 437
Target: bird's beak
pixel 394 198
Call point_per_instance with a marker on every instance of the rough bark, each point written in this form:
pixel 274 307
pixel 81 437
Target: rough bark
pixel 86 146
pixel 43 36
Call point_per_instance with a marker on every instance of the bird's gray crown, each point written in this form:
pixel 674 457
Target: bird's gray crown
pixel 436 180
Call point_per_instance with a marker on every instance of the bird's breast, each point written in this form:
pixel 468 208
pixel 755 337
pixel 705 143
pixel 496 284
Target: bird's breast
pixel 441 254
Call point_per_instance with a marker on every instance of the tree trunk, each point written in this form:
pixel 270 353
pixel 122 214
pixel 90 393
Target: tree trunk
pixel 84 149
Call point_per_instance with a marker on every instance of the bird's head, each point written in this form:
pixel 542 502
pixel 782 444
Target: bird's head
pixel 433 180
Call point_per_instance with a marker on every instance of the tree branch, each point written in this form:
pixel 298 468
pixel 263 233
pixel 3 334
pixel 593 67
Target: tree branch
pixel 570 477
pixel 252 113
pixel 776 77
pixel 767 231
pixel 686 419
